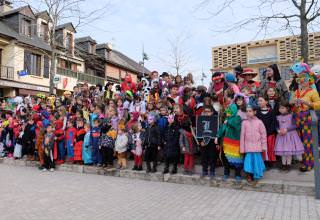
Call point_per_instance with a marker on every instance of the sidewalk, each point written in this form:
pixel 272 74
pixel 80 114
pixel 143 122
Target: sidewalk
pixel 293 182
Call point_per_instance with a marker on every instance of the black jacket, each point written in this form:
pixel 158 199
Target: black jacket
pixel 152 137
pixel 171 146
pixel 269 120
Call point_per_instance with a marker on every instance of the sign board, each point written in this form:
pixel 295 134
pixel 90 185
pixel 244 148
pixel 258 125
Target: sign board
pixel 207 127
pixel 56 79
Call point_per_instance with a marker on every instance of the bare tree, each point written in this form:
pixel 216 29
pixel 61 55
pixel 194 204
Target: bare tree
pixel 289 14
pixel 62 11
pixel 179 56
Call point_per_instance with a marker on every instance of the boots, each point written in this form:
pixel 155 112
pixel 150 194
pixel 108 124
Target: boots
pixel 148 167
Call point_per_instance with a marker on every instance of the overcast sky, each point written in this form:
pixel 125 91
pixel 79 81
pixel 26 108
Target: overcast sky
pixel 129 25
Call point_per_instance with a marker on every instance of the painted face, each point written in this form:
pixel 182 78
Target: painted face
pixel 171 119
pixel 150 119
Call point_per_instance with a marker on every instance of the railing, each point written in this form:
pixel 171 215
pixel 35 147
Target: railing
pixel 7 72
pixel 66 72
pixel 315 139
pixel 90 79
pixel 82 77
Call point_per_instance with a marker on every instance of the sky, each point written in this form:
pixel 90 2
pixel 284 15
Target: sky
pixel 130 25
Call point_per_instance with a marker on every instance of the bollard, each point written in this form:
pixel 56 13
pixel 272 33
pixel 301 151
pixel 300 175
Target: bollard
pixel 315 134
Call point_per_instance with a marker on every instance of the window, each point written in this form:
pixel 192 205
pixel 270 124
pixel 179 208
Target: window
pixel 26 27
pixel 44 30
pixel 285 72
pixel 69 43
pixel 32 63
pixel 262 73
pixel 46 67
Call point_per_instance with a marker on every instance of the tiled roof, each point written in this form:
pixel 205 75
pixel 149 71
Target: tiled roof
pixel 34 41
pixel 85 39
pixel 68 26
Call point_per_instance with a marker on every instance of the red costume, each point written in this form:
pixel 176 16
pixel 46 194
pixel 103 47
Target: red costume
pixel 59 148
pixel 128 85
pixel 78 146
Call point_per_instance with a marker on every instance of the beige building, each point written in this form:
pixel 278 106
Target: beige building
pixel 283 51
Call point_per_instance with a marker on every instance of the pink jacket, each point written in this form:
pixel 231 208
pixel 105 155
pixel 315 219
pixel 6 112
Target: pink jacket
pixel 253 136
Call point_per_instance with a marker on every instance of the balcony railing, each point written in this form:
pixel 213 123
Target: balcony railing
pixel 90 79
pixel 7 72
pixel 82 77
pixel 66 72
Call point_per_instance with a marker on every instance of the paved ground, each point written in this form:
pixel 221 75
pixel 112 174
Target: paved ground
pixel 26 193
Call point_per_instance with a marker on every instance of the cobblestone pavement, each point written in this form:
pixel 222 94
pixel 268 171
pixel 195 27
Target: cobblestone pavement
pixel 27 193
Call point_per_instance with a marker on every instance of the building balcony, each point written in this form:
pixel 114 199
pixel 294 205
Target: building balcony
pixel 67 72
pixel 7 72
pixel 94 80
pixel 82 77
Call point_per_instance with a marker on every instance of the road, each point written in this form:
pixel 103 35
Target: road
pixel 27 193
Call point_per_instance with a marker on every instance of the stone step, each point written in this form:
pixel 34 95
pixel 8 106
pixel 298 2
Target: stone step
pixel 263 185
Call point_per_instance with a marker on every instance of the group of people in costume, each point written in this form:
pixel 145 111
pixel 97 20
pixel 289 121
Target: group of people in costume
pixel 154 120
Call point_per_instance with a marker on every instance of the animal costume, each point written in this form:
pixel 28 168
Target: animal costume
pixel 128 85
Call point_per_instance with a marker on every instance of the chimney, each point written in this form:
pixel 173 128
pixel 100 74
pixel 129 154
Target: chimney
pixel 5 6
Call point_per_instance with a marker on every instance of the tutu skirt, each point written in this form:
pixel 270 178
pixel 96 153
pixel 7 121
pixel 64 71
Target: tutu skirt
pixel 253 163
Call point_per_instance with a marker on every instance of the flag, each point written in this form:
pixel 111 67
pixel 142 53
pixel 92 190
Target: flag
pixel 23 73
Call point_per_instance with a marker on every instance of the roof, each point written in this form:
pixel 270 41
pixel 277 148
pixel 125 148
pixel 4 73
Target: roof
pixel 69 26
pixel 85 39
pixel 119 58
pixel 103 46
pixel 34 41
pixel 44 15
pixel 22 10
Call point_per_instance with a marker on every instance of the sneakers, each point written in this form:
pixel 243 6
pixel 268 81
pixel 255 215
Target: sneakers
pixel 238 179
pixel 44 169
pixel 51 170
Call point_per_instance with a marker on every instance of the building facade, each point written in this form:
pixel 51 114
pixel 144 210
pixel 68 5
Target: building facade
pixel 25 55
pixel 283 51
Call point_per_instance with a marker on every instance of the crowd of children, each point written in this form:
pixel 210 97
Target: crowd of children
pixel 154 121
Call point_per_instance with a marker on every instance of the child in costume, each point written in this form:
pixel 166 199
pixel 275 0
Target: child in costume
pixel 70 140
pixel 171 147
pixel 151 144
pixel 229 134
pixel 253 141
pixel 268 117
pixel 208 148
pixel 121 145
pixel 59 142
pixel 137 143
pixel 40 131
pixel 87 146
pixel 94 139
pixel 288 142
pixel 48 144
pixel 79 141
pixel 106 145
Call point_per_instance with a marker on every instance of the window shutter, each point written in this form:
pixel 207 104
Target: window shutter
pixel 27 61
pixel 46 67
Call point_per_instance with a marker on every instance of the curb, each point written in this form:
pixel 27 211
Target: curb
pixel 264 185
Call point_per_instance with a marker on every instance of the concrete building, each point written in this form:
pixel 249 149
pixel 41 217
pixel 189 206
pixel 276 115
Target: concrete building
pixel 283 51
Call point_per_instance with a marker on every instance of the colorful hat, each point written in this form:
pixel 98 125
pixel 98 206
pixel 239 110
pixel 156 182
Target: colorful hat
pixel 230 77
pixel 248 71
pixel 299 68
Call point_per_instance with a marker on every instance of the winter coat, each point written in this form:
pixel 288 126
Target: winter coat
pixel 186 141
pixel 171 141
pixel 253 137
pixel 281 88
pixel 152 137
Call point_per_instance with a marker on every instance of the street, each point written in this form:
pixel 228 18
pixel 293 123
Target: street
pixel 27 193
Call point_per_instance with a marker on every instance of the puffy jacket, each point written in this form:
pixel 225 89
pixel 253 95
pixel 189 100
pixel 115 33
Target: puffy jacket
pixel 253 136
pixel 171 146
pixel 152 137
